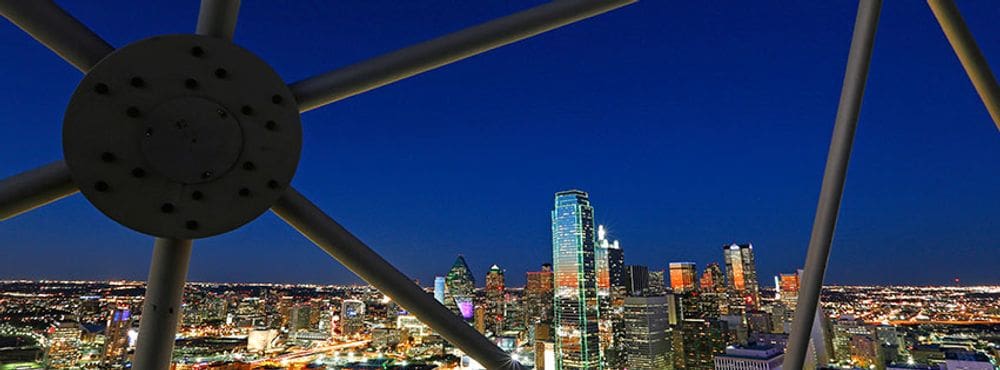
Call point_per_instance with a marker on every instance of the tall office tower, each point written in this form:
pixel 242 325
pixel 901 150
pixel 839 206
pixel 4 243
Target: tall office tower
pixel 115 351
pixel 741 275
pixel 712 279
pixel 576 306
pixel 605 323
pixel 750 358
pixel 538 297
pixel 616 262
pixel 646 343
pixel 682 276
pixel 439 289
pixel 789 285
pixel 612 298
pixel 637 279
pixel 460 289
pixel 496 300
pixel 479 319
pixel 64 346
pixel 702 340
pixel 657 283
pixel 352 317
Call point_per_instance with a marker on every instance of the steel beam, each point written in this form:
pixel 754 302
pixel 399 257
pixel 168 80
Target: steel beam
pixel 35 188
pixel 326 233
pixel 832 189
pixel 317 91
pixel 57 30
pixel 217 18
pixel 968 53
pixel 162 306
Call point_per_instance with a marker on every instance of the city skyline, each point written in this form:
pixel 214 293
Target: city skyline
pixel 677 175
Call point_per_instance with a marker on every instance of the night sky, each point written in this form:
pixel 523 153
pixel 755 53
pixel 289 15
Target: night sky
pixel 691 124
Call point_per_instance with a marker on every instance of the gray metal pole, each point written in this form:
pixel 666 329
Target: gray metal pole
pixel 57 30
pixel 968 53
pixel 832 189
pixel 327 88
pixel 162 306
pixel 38 187
pixel 218 18
pixel 326 233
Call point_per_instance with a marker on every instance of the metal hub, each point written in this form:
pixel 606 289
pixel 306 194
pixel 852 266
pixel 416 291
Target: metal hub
pixel 182 136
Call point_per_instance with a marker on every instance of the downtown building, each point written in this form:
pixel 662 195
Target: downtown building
pixel 496 301
pixel 460 289
pixel 576 302
pixel 741 276
pixel 647 341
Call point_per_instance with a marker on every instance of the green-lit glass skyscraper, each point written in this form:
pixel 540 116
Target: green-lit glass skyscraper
pixel 576 304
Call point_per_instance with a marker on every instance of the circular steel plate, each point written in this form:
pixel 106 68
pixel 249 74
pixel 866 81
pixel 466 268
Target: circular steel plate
pixel 182 136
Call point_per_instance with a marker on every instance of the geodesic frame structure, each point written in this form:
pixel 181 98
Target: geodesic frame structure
pixel 187 136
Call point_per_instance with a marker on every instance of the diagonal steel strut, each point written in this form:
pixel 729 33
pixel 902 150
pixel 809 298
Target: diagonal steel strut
pixel 832 189
pixel 317 91
pixel 217 18
pixel 968 53
pixel 326 233
pixel 35 188
pixel 57 30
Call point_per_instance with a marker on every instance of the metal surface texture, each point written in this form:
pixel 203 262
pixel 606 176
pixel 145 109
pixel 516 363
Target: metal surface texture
pixel 57 30
pixel 35 188
pixel 339 243
pixel 217 18
pixel 317 91
pixel 182 136
pixel 832 190
pixel 161 309
pixel 972 59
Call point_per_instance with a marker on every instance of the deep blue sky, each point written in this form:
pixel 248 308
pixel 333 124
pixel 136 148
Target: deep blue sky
pixel 692 124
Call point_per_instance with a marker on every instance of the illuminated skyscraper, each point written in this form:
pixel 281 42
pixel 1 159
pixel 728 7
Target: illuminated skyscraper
pixel 116 337
pixel 741 275
pixel 702 340
pixel 460 289
pixel 646 326
pixel 576 305
pixel 611 292
pixel 712 279
pixel 682 276
pixel 538 296
pixel 657 283
pixel 439 288
pixel 495 300
pixel 789 284
pixel 352 317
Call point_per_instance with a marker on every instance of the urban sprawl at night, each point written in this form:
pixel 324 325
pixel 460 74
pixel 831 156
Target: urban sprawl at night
pixel 584 309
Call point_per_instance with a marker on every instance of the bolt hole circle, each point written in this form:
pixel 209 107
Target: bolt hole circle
pixel 221 73
pixel 247 110
pixel 249 166
pixel 273 184
pixel 191 84
pixel 197 195
pixel 197 52
pixel 137 82
pixel 138 173
pixel 132 112
pixel 107 157
pixel 271 125
pixel 101 186
pixel 244 192
pixel 102 88
pixel 191 225
pixel 277 99
pixel 167 208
